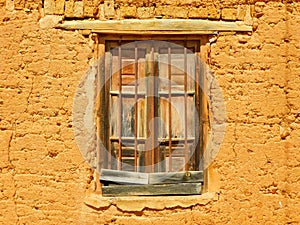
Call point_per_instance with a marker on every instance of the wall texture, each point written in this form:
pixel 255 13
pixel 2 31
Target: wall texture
pixel 43 177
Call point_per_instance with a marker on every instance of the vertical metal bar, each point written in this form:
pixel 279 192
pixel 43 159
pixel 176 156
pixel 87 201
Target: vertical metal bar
pixel 152 110
pixel 149 110
pixel 186 149
pixel 108 98
pixel 198 103
pixel 120 107
pixel 156 146
pixel 136 107
pixel 170 108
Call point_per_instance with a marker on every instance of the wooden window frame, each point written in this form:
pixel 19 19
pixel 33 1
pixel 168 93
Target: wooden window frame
pixel 101 116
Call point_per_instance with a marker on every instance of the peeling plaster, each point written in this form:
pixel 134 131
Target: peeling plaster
pixel 133 203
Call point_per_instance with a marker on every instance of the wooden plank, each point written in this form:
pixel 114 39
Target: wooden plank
pixel 176 177
pixel 205 121
pixel 128 80
pixel 127 117
pixel 146 35
pixel 101 112
pixel 128 66
pixel 123 177
pixel 98 52
pixel 175 25
pixel 150 112
pixel 147 190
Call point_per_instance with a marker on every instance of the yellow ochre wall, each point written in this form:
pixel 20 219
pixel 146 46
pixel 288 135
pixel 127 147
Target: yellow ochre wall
pixel 45 180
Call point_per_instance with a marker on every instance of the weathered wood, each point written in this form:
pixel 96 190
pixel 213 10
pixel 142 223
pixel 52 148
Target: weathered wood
pixel 100 102
pixel 173 25
pixel 129 141
pixel 159 35
pixel 205 114
pixel 146 190
pixel 176 177
pixel 123 177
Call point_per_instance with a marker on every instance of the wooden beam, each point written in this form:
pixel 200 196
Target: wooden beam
pixel 155 26
pixel 147 190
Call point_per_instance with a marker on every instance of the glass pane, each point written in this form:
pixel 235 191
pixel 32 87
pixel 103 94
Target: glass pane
pixel 164 118
pixel 177 164
pixel 127 154
pixel 128 75
pixel 177 69
pixel 191 117
pixel 141 111
pixel 128 117
pixel 115 73
pixel 141 76
pixel 178 120
pixel 128 111
pixel 191 72
pixel 114 117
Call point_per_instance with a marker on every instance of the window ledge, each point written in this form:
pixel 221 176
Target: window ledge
pixel 134 203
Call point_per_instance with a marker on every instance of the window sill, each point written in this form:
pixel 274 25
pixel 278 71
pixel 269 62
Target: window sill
pixel 134 203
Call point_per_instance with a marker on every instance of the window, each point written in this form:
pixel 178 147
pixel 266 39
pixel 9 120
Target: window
pixel 150 108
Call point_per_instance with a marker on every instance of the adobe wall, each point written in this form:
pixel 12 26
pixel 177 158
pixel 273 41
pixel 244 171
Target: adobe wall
pixel 45 180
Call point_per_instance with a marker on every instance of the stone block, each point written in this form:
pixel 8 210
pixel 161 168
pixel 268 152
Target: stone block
pixel 9 5
pixel 99 12
pixel 198 13
pixel 49 21
pixel 69 9
pixel 59 7
pixel 248 16
pixel 109 10
pixel 145 12
pixel 241 12
pixel 229 14
pixel 129 12
pixel 172 12
pixel 19 4
pixel 49 7
pixel 78 9
pixel 2 2
pixel 213 13
pixel 88 11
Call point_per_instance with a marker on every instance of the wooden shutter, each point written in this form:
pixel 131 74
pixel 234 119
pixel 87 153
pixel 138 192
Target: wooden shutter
pixel 132 105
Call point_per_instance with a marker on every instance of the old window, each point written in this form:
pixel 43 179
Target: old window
pixel 150 117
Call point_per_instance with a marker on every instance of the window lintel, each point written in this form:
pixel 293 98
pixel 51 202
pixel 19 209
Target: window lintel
pixel 156 26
